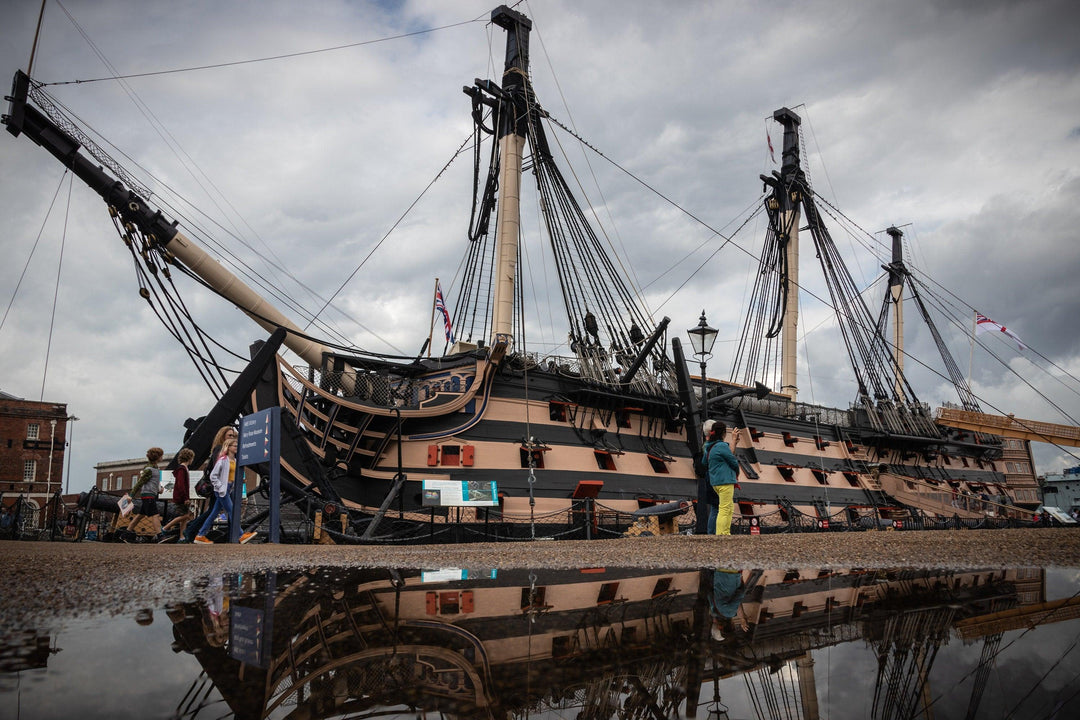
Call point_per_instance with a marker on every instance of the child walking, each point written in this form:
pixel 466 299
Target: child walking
pixel 181 497
pixel 224 470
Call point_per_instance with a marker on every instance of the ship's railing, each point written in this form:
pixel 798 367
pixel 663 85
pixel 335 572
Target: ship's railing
pixel 592 519
pixel 917 417
pixel 795 410
pixel 583 519
pixel 598 369
pixel 378 387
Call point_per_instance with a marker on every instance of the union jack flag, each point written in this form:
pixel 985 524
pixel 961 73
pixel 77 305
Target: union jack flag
pixel 440 305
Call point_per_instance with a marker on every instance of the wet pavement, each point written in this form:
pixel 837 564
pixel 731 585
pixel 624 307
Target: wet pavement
pixel 855 625
pixel 49 579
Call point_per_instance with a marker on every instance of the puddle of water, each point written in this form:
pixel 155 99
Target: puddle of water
pixel 595 643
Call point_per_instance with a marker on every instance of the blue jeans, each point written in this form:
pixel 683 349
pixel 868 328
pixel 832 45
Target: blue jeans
pixel 193 527
pixel 222 502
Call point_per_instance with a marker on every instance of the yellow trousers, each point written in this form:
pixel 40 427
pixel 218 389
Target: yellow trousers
pixel 723 513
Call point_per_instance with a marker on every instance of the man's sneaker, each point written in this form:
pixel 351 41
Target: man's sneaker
pixel 717 635
pixel 203 540
pixel 248 536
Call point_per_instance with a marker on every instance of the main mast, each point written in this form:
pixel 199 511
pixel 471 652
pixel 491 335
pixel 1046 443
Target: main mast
pixel 513 120
pixel 787 196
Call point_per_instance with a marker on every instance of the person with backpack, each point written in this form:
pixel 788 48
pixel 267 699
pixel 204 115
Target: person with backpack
pixel 224 433
pixel 147 488
pixel 222 474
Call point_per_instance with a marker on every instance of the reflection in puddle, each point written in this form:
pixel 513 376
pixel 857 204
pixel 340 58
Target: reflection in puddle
pixel 590 644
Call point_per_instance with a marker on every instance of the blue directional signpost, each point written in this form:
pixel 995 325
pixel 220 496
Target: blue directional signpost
pixel 251 629
pixel 260 442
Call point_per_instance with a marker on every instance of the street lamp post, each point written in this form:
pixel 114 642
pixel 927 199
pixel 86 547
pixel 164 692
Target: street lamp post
pixel 52 443
pixel 702 338
pixel 71 436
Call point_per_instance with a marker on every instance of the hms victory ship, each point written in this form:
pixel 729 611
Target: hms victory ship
pixel 489 440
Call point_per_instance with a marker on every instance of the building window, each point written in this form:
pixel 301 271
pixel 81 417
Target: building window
pixel 29 470
pixel 33 431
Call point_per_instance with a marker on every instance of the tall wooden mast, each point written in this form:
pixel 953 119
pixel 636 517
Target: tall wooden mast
pixel 511 138
pixel 896 296
pixel 787 195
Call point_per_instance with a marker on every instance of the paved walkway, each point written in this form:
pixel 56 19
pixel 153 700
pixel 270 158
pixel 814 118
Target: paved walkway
pixel 44 581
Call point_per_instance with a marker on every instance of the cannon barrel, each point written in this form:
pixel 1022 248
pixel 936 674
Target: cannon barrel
pixel 111 503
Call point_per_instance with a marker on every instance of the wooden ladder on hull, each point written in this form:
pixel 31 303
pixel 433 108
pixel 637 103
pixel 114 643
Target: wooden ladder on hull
pixel 859 459
pixel 896 486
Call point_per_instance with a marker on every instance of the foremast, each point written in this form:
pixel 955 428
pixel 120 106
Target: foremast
pixel 512 130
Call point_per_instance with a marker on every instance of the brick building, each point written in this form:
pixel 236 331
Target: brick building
pixel 117 477
pixel 33 439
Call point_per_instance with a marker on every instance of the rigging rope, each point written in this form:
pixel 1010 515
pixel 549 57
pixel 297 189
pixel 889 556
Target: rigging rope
pixel 22 275
pixel 268 58
pixel 397 222
pixel 56 289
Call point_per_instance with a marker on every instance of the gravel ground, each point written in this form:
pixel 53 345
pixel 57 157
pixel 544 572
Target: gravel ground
pixel 45 581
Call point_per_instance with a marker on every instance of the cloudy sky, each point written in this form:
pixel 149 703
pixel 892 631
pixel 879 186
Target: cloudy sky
pixel 959 121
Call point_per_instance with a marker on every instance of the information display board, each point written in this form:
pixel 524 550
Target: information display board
pixel 454 574
pixel 460 493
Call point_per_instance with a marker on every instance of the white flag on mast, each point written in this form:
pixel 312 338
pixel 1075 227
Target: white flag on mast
pixel 984 324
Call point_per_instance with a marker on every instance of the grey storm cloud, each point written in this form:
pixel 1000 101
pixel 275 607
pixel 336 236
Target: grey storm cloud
pixel 956 120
